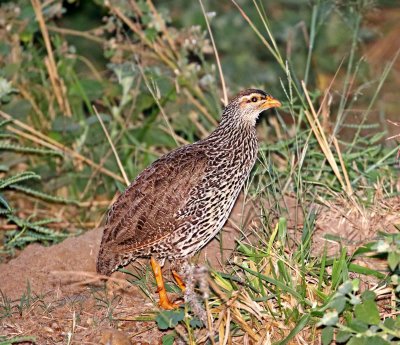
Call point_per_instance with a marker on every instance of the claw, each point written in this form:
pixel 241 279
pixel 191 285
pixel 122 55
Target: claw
pixel 164 302
pixel 179 281
pixel 168 305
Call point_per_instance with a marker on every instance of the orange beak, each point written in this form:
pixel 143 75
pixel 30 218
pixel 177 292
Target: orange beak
pixel 270 102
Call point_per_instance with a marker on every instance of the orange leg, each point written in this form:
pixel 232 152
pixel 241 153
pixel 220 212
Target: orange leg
pixel 164 303
pixel 179 281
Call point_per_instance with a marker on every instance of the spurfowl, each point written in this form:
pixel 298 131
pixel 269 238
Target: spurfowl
pixel 181 201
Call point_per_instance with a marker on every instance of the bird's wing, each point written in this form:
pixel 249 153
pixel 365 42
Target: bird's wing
pixel 146 212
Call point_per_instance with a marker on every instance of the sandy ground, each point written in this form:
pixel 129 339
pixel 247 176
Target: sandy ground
pixel 54 294
pixel 66 298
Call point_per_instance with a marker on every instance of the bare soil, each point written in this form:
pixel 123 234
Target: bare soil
pixel 62 297
pixel 53 293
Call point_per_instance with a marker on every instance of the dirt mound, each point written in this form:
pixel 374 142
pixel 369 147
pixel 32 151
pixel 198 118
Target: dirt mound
pixel 66 300
pixel 63 298
pixel 42 266
pixel 59 267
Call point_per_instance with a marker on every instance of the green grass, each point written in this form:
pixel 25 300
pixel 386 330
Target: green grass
pixel 156 87
pixel 16 340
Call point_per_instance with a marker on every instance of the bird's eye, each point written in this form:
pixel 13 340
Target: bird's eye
pixel 254 99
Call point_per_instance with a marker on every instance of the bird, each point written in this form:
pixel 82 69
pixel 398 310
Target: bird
pixel 182 200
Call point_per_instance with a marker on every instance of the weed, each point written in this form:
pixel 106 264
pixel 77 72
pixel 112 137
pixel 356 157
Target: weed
pixel 105 301
pixel 6 306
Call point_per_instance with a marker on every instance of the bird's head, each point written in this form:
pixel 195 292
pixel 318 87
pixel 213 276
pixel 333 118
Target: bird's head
pixel 248 105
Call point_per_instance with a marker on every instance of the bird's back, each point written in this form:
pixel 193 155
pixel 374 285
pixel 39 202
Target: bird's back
pixel 176 205
pixel 147 210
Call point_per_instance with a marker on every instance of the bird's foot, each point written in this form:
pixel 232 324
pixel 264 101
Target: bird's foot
pixel 167 304
pixel 164 302
pixel 179 281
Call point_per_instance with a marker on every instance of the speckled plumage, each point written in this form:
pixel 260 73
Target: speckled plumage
pixel 181 201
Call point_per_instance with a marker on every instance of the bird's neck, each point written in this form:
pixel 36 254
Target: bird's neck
pixel 233 135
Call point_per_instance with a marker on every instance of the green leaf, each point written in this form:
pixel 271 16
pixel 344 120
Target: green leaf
pixel 356 284
pixel 338 268
pixel 120 186
pixel 368 295
pixel 5 203
pixel 300 325
pixel 17 340
pixel 282 230
pixel 357 341
pixel 162 321
pixel 330 318
pixel 342 336
pixel 354 299
pixel 151 34
pixel 390 323
pixel 169 318
pixel 327 335
pixel 168 339
pixel 4 168
pixel 65 124
pixel 393 260
pixel 196 323
pixel 26 175
pixel 245 249
pixel 42 195
pixel 4 122
pixel 346 287
pixel 382 246
pixel 357 326
pixel 376 137
pixel 28 149
pixel 322 269
pixel 376 340
pixel 93 89
pixel 367 312
pixel 277 283
pixel 338 303
pixel 365 270
pixel 93 120
pixel 37 228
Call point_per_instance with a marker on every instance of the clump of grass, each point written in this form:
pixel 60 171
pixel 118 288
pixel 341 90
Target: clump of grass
pixel 10 308
pixel 355 316
pixel 107 302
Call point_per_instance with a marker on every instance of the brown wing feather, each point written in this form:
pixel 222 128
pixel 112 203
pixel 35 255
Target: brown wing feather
pixel 146 212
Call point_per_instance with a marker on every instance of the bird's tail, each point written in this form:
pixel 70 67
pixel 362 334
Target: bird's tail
pixel 107 262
